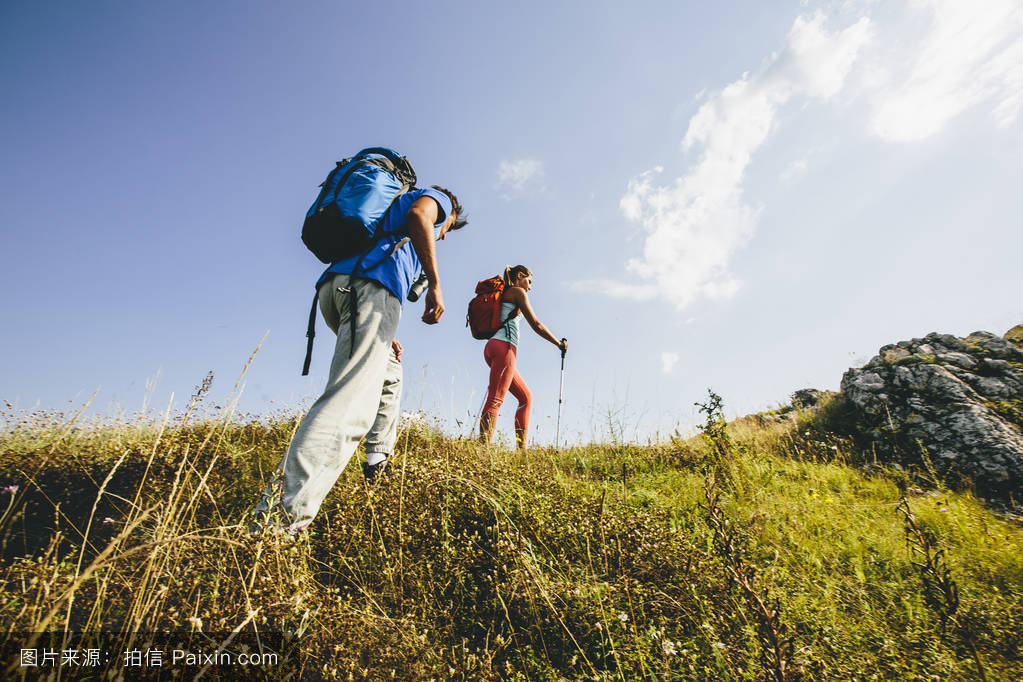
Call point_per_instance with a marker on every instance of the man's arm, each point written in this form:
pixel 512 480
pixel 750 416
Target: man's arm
pixel 420 220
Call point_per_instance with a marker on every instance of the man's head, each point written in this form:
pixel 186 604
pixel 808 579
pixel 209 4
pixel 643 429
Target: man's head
pixel 458 218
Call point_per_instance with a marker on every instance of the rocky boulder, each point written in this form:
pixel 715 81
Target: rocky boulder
pixel 1015 334
pixel 957 402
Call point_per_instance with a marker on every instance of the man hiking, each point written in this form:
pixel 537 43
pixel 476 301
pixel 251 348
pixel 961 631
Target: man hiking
pixel 360 298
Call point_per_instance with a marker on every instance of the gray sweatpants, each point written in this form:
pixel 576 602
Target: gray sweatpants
pixel 360 400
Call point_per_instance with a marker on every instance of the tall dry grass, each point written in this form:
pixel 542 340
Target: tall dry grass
pixel 752 551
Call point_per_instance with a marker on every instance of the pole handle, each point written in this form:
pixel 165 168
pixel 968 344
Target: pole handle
pixel 564 349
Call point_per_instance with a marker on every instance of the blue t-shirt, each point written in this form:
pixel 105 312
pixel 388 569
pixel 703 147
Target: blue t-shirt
pixel 398 270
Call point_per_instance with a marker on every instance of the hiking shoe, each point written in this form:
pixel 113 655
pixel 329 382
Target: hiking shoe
pixel 277 529
pixel 373 473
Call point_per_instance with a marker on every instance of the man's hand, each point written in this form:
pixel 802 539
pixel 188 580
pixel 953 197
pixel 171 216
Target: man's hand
pixel 396 347
pixel 434 306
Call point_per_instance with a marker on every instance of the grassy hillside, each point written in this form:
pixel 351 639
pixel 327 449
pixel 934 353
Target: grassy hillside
pixel 752 551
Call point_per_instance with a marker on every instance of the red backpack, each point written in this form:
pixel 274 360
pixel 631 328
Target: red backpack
pixel 484 316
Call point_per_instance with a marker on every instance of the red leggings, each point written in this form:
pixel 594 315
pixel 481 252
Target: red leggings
pixel 500 357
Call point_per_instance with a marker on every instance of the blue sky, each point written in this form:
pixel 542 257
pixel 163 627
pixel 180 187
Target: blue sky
pixel 751 197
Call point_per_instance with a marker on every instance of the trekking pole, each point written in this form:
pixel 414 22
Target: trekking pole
pixel 561 391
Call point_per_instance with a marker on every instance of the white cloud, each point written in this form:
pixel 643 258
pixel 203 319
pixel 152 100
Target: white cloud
pixel 695 223
pixel 519 174
pixel 969 53
pixel 913 70
pixel 668 361
pixel 795 169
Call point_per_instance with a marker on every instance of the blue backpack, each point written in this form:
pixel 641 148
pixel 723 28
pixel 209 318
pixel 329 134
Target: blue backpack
pixel 343 220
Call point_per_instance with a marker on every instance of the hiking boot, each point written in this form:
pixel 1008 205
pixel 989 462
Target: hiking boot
pixel 276 529
pixel 374 472
pixel 488 423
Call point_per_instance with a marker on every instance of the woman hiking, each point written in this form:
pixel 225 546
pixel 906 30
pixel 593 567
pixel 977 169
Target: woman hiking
pixel 500 354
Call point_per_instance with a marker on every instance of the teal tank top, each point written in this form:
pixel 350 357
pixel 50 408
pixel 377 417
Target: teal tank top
pixel 509 331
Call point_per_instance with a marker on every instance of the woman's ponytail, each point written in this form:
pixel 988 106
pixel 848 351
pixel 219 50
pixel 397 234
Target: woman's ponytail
pixel 511 273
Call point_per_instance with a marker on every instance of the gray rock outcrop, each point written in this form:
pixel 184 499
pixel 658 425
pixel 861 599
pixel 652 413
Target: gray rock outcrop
pixel 956 401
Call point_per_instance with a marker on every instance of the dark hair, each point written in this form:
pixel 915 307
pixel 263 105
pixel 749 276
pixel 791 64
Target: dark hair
pixel 512 273
pixel 461 218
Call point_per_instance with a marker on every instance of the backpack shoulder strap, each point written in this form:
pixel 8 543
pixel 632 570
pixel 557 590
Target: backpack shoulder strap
pixel 310 335
pixel 512 314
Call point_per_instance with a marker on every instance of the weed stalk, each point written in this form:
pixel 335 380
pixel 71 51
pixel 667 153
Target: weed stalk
pixel 941 593
pixel 776 647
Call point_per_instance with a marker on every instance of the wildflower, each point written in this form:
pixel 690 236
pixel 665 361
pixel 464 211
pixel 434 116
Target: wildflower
pixel 107 520
pixel 668 647
pixel 943 509
pixel 11 489
pixel 599 627
pixel 624 617
pixel 196 622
